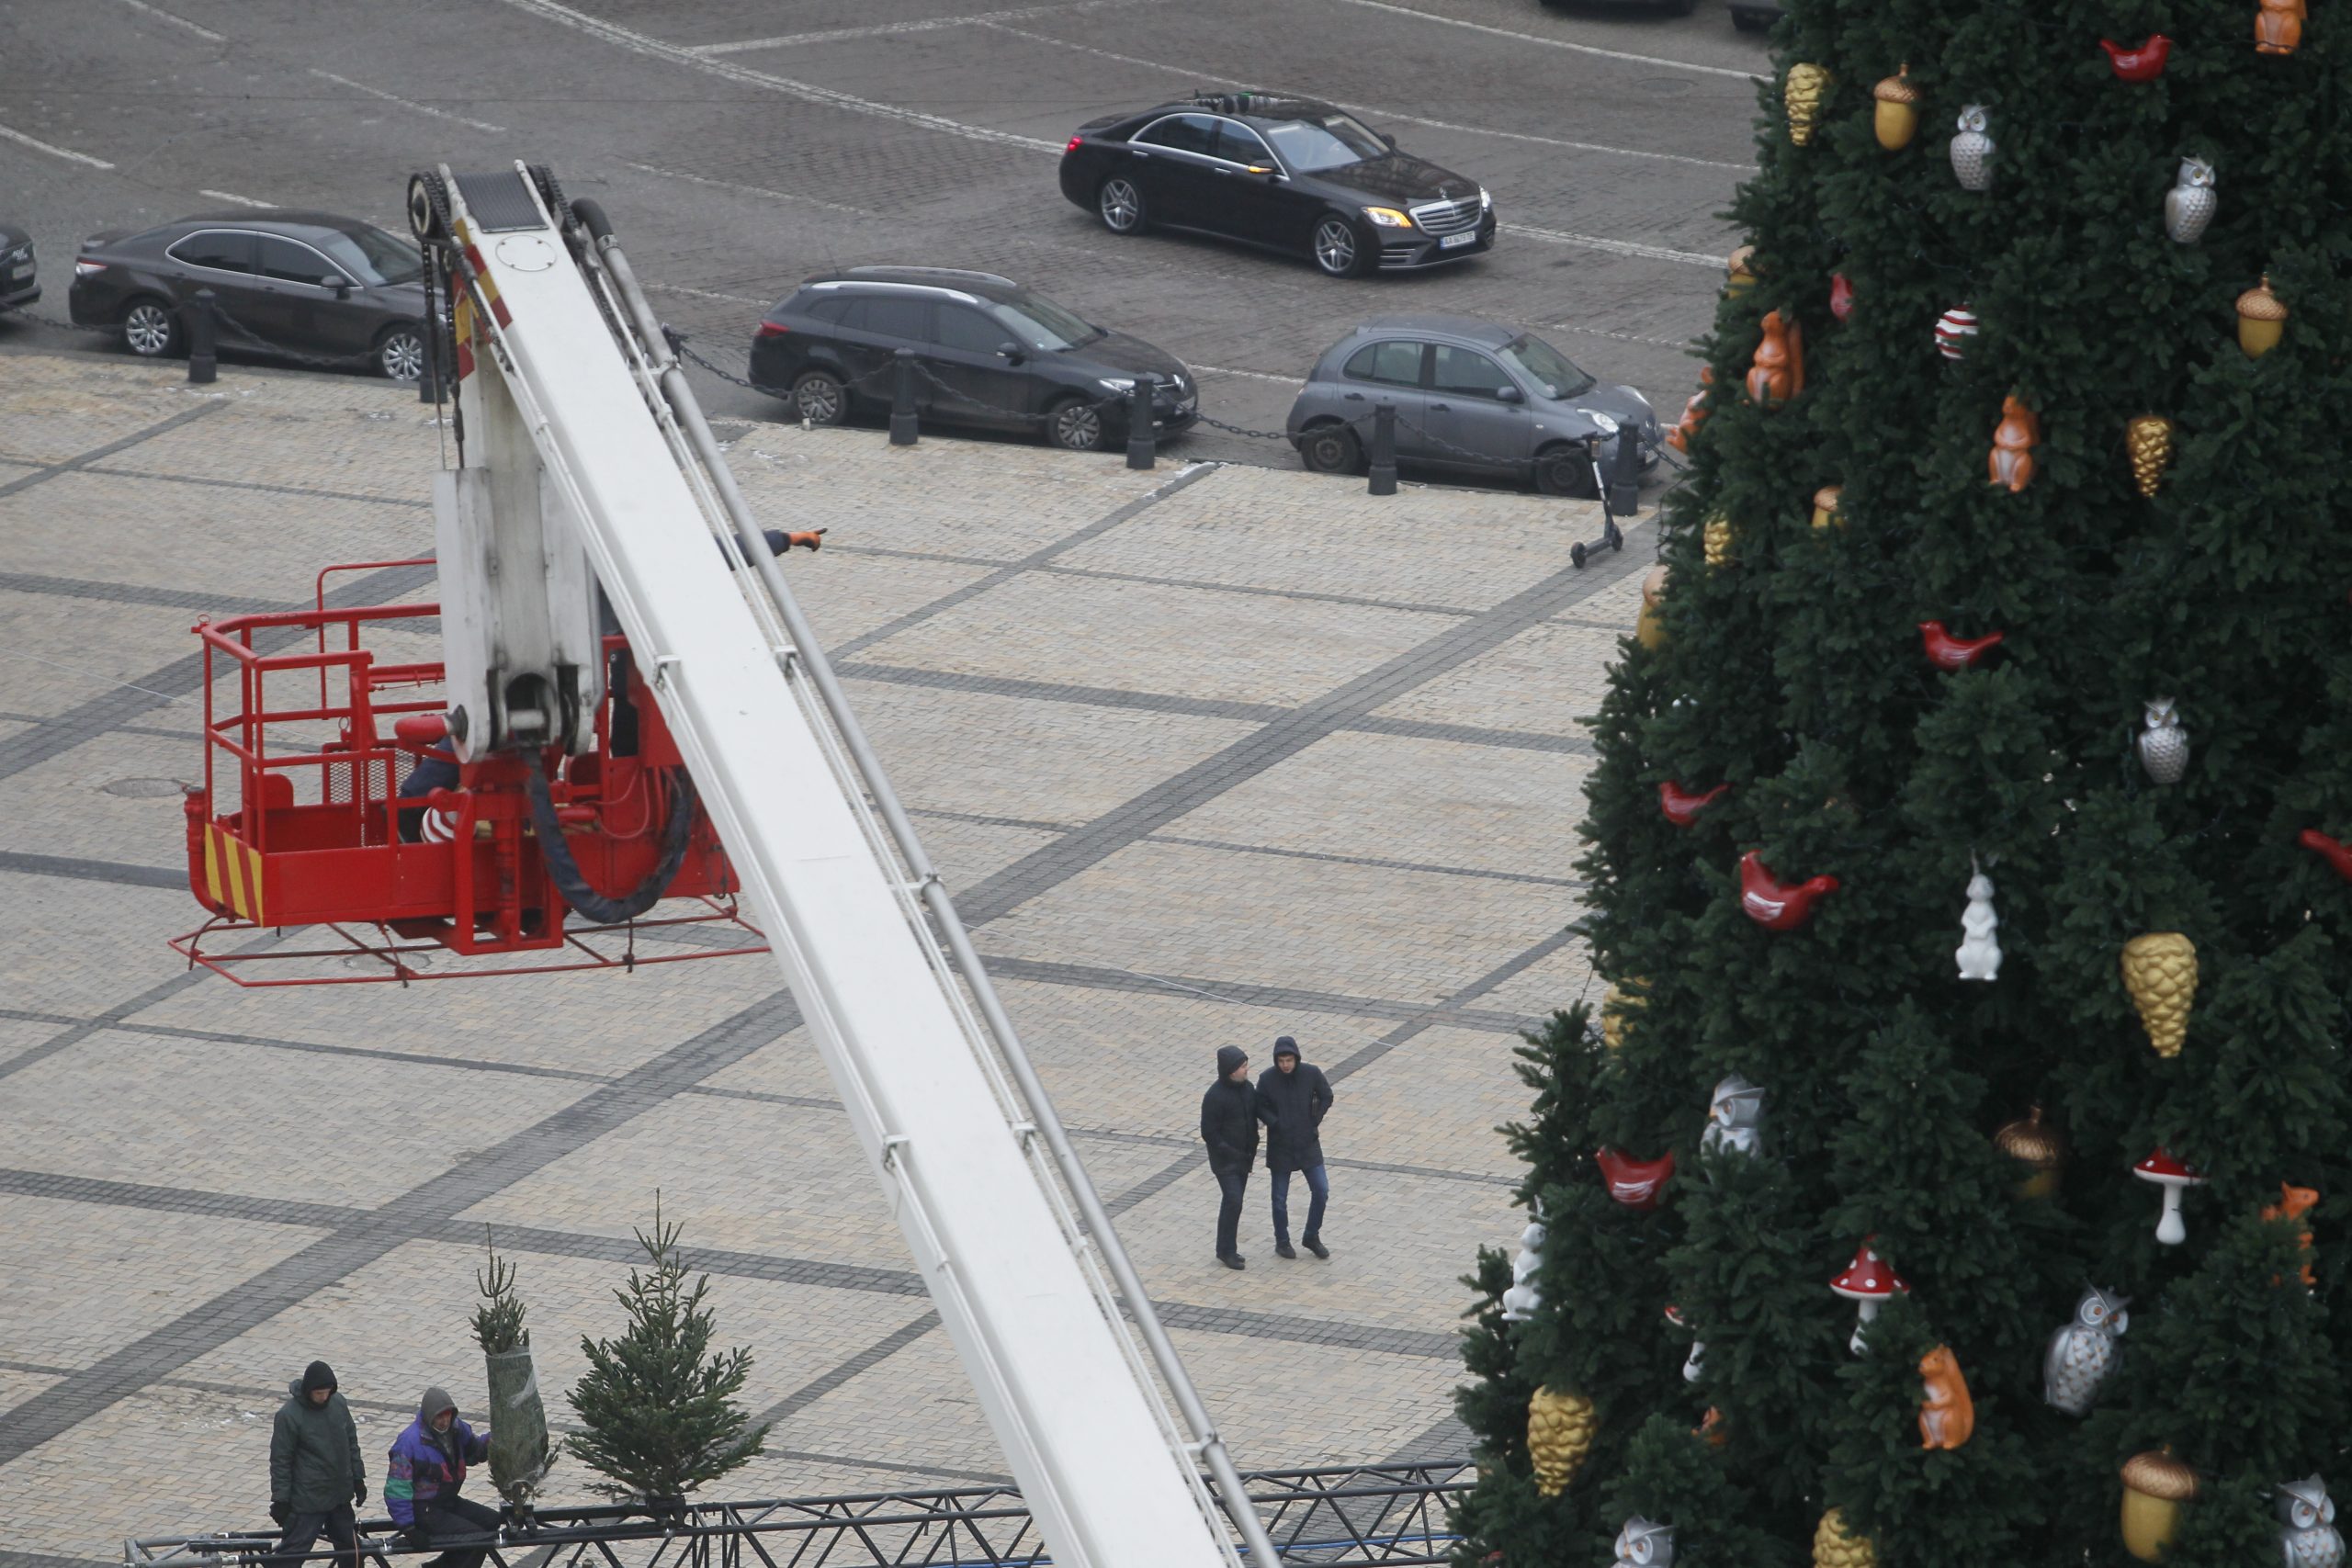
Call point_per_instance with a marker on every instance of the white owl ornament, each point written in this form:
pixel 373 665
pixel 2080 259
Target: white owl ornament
pixel 2307 1533
pixel 1734 1119
pixel 1971 149
pixel 2188 205
pixel 2163 744
pixel 1641 1544
pixel 2082 1353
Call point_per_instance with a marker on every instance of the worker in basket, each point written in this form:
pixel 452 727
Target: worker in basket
pixel 428 1465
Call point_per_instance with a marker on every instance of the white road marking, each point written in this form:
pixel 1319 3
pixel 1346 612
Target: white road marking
pixel 886 29
pixel 233 198
pixel 1190 75
pixel 1614 247
pixel 1251 375
pixel 38 145
pixel 703 294
pixel 747 190
pixel 1552 42
pixel 655 49
pixel 407 103
pixel 163 15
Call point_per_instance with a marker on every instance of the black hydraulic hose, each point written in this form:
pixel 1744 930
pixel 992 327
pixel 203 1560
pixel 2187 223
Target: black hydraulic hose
pixel 585 901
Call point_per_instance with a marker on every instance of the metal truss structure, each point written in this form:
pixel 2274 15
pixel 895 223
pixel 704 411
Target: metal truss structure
pixel 1377 1516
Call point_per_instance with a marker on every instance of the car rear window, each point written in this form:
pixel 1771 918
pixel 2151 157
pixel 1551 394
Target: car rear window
pixel 889 315
pixel 223 250
pixel 1184 133
pixel 1397 364
pixel 829 308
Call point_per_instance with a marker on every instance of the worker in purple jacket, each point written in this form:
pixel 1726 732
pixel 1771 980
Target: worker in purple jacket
pixel 428 1464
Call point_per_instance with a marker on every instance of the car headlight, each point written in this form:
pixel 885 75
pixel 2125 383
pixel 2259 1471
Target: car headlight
pixel 1486 200
pixel 1603 422
pixel 1387 218
pixel 1117 383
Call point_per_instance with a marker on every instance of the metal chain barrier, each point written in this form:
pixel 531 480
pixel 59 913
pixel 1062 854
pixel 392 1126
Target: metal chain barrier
pixel 1280 435
pixel 35 316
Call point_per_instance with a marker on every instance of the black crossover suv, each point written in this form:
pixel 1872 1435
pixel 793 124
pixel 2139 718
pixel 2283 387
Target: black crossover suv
pixel 1289 174
pixel 296 284
pixel 987 352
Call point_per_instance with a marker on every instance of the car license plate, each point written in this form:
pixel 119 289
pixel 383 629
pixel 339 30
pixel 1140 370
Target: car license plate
pixel 1455 241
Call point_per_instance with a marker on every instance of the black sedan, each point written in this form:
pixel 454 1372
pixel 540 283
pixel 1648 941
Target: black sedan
pixel 1289 174
pixel 18 284
pixel 986 351
pixel 298 284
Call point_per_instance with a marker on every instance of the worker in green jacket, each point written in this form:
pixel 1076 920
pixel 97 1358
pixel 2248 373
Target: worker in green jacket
pixel 316 1481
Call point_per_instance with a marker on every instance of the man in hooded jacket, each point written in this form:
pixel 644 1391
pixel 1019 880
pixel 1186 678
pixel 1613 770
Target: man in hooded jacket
pixel 315 1478
pixel 428 1465
pixel 1297 1094
pixel 1230 1112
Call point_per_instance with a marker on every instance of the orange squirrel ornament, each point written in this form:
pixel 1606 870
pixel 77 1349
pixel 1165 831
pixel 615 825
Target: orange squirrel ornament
pixel 2012 460
pixel 2293 1203
pixel 2278 27
pixel 1694 413
pixel 1777 373
pixel 1947 1417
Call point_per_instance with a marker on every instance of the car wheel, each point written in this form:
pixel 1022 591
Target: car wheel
pixel 1564 470
pixel 150 328
pixel 1075 425
pixel 1337 250
pixel 400 354
pixel 1120 201
pixel 819 397
pixel 1330 448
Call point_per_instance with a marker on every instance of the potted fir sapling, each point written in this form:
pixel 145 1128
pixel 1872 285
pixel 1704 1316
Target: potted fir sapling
pixel 657 1408
pixel 520 1454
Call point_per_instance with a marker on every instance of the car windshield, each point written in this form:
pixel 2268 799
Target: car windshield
pixel 1548 364
pixel 372 255
pixel 1039 324
pixel 1322 142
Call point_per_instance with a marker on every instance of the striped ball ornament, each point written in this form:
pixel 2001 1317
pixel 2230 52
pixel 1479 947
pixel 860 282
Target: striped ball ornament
pixel 1953 328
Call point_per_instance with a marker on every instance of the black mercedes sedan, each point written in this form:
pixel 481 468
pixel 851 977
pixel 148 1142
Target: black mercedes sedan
pixel 304 285
pixel 1288 174
pixel 18 283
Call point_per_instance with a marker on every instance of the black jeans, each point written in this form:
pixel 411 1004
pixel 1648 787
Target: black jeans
pixel 338 1524
pixel 1318 1189
pixel 1230 1184
pixel 467 1530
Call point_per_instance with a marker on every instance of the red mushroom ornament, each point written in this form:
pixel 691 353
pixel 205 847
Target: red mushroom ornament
pixel 1635 1183
pixel 2172 1176
pixel 1772 906
pixel 1681 808
pixel 2143 63
pixel 1867 1280
pixel 1946 651
pixel 2335 852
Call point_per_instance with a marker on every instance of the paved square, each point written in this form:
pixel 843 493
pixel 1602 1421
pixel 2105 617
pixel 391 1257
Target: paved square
pixel 1209 754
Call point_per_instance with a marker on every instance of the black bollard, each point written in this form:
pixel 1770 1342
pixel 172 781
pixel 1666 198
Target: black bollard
pixel 902 398
pixel 1625 474
pixel 1382 465
pixel 203 338
pixel 1142 446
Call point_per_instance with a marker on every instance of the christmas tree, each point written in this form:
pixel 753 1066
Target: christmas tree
pixel 2015 547
pixel 657 1409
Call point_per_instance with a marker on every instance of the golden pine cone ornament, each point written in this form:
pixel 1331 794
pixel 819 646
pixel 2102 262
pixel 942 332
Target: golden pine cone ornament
pixel 1560 1428
pixel 1716 539
pixel 1807 87
pixel 1833 1547
pixel 2150 440
pixel 2160 971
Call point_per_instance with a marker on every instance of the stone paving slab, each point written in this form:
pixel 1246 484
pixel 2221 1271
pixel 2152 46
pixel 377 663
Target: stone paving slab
pixel 78 948
pixel 101 643
pixel 1534 682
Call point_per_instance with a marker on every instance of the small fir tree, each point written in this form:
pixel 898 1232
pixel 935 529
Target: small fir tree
pixel 498 1321
pixel 656 1407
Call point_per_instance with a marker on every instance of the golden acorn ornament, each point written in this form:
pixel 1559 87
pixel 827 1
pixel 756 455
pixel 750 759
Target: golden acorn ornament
pixel 2035 1145
pixel 2149 439
pixel 1560 1428
pixel 1716 540
pixel 2160 971
pixel 1836 1546
pixel 1739 271
pixel 1803 93
pixel 1824 506
pixel 1895 119
pixel 1616 1004
pixel 2156 1485
pixel 1649 629
pixel 2262 320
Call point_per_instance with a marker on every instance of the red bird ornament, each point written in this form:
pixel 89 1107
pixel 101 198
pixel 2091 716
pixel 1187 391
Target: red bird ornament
pixel 1635 1183
pixel 1841 297
pixel 1946 651
pixel 1772 906
pixel 2337 855
pixel 1680 806
pixel 2145 63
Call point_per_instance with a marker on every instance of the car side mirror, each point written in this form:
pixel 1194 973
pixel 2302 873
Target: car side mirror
pixel 1271 173
pixel 1510 395
pixel 1389 142
pixel 1010 354
pixel 336 281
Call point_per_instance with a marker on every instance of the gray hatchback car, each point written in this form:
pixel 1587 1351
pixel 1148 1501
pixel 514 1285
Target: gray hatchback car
pixel 1470 396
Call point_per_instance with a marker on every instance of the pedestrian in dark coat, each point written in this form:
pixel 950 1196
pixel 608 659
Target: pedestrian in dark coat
pixel 1229 1116
pixel 316 1480
pixel 1295 1095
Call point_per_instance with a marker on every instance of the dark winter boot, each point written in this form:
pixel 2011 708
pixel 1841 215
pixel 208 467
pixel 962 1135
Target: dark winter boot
pixel 1283 1250
pixel 1315 1245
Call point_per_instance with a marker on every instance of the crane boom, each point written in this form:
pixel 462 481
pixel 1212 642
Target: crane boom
pixel 564 377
